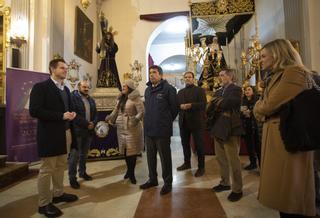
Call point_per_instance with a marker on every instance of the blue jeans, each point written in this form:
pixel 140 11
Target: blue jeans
pixel 79 156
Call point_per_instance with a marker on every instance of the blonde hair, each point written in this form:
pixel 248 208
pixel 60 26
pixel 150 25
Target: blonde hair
pixel 284 54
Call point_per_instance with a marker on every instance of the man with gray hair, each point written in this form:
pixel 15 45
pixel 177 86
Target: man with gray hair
pixel 85 121
pixel 227 143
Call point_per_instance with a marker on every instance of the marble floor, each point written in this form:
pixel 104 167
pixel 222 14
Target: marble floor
pixel 109 195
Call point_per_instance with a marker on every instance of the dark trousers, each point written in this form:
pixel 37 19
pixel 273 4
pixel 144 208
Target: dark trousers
pixel 253 144
pixel 197 135
pixel 287 215
pixel 316 165
pixel 162 145
pixel 131 165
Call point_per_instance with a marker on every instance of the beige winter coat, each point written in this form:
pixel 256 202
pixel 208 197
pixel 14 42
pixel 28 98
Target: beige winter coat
pixel 286 179
pixel 129 125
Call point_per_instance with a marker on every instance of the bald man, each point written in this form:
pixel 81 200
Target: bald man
pixel 85 122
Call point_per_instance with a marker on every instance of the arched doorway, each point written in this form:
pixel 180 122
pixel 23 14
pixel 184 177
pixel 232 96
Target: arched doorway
pixel 166 48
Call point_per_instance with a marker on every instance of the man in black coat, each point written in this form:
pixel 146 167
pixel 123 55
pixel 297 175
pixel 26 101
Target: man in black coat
pixel 192 102
pixel 227 150
pixel 160 111
pixel 86 119
pixel 50 103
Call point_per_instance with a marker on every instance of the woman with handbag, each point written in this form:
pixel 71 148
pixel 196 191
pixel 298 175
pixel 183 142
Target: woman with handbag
pixel 286 179
pixel 127 116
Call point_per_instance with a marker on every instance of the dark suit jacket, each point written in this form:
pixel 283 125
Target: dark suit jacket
pixel 194 118
pixel 230 102
pixel 47 106
pixel 231 97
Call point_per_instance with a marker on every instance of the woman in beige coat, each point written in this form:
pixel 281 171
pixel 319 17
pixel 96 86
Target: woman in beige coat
pixel 127 116
pixel 287 179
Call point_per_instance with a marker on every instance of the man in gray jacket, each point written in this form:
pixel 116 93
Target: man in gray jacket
pixel 227 148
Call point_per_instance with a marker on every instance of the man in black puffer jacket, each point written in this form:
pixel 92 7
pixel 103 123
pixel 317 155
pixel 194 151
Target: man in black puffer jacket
pixel 160 111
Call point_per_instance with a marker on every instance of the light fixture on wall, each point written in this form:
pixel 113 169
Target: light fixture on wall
pixel 85 3
pixel 19 32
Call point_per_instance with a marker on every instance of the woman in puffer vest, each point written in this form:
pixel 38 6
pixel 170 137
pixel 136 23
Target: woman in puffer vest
pixel 127 116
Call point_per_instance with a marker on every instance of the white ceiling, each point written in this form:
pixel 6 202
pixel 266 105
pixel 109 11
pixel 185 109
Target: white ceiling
pixel 173 31
pixel 166 38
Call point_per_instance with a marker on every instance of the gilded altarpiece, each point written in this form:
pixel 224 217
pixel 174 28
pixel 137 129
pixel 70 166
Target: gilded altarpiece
pixel 4 44
pixel 213 25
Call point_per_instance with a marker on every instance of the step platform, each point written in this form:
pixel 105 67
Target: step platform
pixel 12 172
pixel 3 159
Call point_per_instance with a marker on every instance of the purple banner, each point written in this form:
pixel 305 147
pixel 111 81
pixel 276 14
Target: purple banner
pixel 21 128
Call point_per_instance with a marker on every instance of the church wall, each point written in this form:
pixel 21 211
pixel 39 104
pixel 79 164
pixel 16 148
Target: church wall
pixel 312 33
pixel 69 32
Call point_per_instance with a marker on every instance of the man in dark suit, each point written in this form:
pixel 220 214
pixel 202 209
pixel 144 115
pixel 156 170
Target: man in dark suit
pixel 160 111
pixel 86 110
pixel 50 103
pixel 227 150
pixel 192 103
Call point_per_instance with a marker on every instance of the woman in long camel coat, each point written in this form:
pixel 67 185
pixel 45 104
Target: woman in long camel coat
pixel 287 179
pixel 127 116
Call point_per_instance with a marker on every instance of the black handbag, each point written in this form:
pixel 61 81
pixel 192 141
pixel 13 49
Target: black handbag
pixel 299 122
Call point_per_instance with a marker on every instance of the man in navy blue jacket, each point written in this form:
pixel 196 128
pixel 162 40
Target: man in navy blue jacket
pixel 161 108
pixel 86 110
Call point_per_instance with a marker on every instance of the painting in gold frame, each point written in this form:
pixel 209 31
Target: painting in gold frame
pixel 83 37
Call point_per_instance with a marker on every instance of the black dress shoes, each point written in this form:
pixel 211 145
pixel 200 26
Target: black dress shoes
pixel 126 176
pixel 184 166
pixel 50 211
pixel 221 188
pixel 233 196
pixel 86 177
pixel 65 198
pixel 133 179
pixel 199 172
pixel 74 184
pixel 251 167
pixel 165 189
pixel 148 184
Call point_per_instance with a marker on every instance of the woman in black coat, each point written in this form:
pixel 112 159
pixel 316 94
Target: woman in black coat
pixel 251 136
